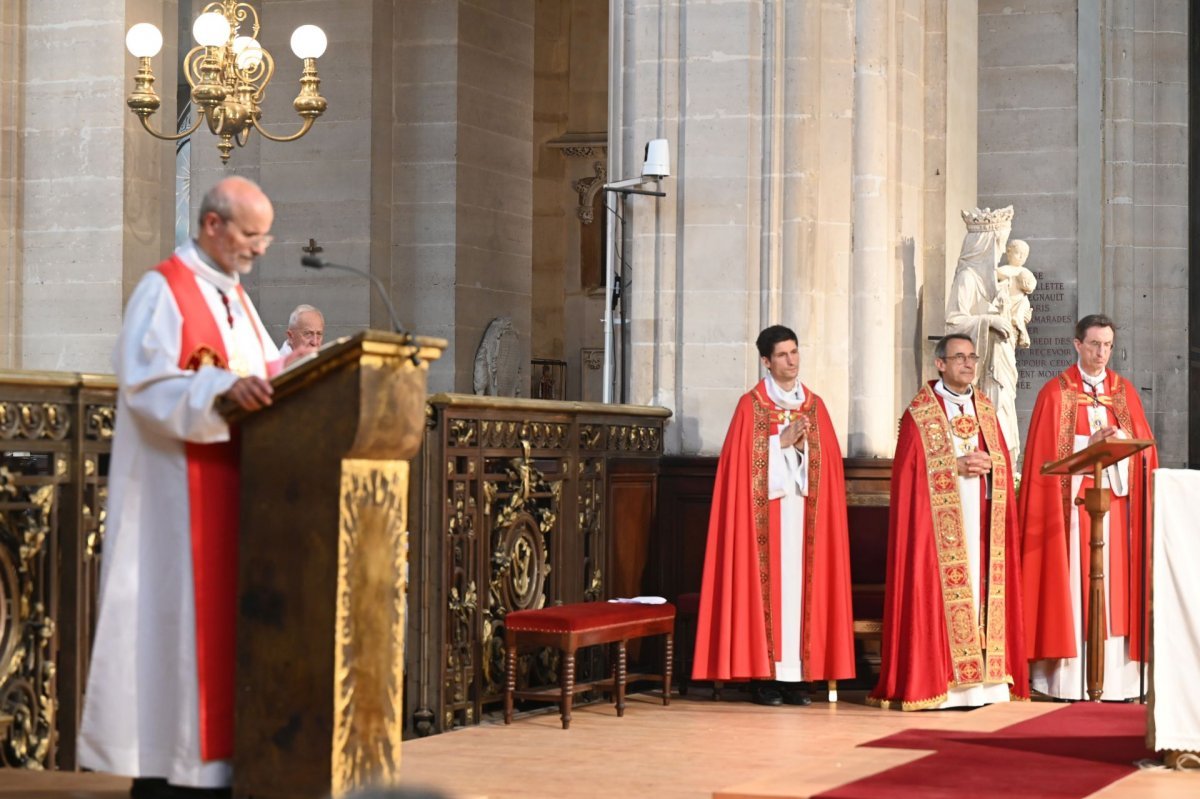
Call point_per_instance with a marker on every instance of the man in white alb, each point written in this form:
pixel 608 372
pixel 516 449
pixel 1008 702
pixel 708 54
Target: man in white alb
pixel 159 699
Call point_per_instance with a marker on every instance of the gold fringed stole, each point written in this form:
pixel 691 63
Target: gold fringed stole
pixel 767 413
pixel 971 663
pixel 1070 398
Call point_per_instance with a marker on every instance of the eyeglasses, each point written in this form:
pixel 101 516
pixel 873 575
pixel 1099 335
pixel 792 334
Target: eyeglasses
pixel 255 239
pixel 959 359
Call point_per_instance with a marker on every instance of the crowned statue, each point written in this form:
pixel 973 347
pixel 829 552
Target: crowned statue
pixel 990 304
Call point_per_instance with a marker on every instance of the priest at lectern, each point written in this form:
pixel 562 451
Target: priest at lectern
pixel 1085 404
pixel 159 700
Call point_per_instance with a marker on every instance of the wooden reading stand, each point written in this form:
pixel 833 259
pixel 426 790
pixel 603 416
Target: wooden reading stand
pixel 1095 459
pixel 323 569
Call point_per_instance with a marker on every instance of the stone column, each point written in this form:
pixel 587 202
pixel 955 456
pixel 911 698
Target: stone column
pixel 91 219
pixel 1145 207
pixel 12 48
pixel 462 206
pixel 1083 129
pixel 872 302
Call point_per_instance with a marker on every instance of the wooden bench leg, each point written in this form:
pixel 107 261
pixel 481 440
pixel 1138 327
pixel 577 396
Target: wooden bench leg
pixel 832 691
pixel 669 659
pixel 568 687
pixel 619 679
pixel 510 680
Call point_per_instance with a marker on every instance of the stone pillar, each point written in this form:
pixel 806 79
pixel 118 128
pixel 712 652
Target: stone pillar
pixel 1083 129
pixel 12 49
pixel 462 187
pixel 951 157
pixel 793 124
pixel 1145 207
pixel 872 309
pixel 89 217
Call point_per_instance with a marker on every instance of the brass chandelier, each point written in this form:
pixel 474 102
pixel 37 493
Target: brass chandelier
pixel 228 72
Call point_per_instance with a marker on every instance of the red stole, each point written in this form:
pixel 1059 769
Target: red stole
pixel 213 494
pixel 1046 505
pixel 736 630
pixel 931 635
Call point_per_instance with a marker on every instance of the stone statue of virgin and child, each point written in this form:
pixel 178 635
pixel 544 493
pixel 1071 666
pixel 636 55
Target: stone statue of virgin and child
pixel 989 302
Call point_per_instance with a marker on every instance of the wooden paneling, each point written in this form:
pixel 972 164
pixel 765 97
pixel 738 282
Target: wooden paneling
pixel 685 485
pixel 685 499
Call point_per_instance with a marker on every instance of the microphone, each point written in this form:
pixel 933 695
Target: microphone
pixel 315 262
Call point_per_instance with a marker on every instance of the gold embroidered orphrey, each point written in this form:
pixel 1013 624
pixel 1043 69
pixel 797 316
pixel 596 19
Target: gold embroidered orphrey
pixel 766 414
pixel 974 661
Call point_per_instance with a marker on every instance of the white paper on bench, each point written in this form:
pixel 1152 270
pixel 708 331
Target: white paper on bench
pixel 642 600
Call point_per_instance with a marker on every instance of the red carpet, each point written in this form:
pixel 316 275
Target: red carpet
pixel 1065 754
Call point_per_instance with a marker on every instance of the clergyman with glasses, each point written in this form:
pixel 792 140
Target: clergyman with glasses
pixel 159 701
pixel 952 633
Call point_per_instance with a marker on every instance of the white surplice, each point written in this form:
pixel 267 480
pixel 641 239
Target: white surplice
pixel 140 714
pixel 1063 678
pixel 970 498
pixel 787 481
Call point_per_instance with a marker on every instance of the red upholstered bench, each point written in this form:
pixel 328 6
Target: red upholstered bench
pixel 569 627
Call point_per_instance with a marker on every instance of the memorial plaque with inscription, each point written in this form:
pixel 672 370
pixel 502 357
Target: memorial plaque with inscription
pixel 1051 332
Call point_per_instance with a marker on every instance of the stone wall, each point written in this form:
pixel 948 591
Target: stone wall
pixel 817 149
pixel 83 167
pixel 1082 128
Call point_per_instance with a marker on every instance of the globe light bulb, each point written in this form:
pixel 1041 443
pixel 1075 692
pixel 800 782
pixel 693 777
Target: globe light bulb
pixel 211 29
pixel 248 53
pixel 143 40
pixel 308 41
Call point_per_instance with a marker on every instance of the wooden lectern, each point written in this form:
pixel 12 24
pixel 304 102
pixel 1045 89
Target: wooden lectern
pixel 1096 500
pixel 323 569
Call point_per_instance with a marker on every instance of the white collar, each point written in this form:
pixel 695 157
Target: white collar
pixel 961 400
pixel 785 399
pixel 1094 382
pixel 199 262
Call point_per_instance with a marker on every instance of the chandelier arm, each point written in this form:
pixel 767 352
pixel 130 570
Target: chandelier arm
pixel 178 136
pixel 308 123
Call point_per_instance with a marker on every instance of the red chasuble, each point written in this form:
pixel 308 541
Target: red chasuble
pixel 213 518
pixel 736 629
pixel 933 638
pixel 1045 507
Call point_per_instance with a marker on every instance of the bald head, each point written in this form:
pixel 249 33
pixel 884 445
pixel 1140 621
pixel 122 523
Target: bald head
pixel 306 329
pixel 235 224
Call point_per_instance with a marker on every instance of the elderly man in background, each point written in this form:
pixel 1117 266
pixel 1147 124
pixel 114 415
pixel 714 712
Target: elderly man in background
pixel 305 333
pixel 159 700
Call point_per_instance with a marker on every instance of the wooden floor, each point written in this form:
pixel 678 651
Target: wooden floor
pixel 694 748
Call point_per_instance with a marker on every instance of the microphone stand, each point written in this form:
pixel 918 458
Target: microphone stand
pixel 314 262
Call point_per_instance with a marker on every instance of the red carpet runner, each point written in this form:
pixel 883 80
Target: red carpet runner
pixel 1066 754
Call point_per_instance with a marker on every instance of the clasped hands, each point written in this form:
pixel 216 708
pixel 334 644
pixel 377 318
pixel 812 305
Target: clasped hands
pixel 974 464
pixel 795 434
